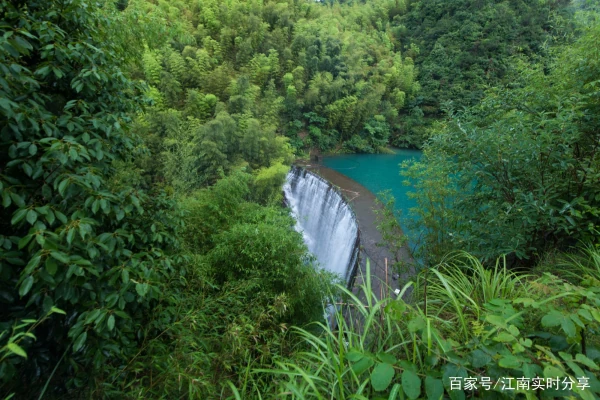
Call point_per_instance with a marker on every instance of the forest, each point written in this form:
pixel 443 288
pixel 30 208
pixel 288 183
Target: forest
pixel 145 249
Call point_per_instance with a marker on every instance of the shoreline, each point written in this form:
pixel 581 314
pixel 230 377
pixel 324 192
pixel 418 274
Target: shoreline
pixel 362 201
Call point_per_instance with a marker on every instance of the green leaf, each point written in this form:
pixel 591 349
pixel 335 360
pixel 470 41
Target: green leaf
pixel 31 216
pixel 111 322
pixel 27 169
pixel 352 355
pixel 6 104
pixel 112 299
pixel 57 72
pixel 585 394
pixel 55 310
pixel 361 366
pixel 431 360
pixel 71 270
pixel 434 388
pixel 585 314
pixel 92 315
pixel 416 324
pixel 386 358
pixel 480 358
pixel 121 314
pixel 496 320
pixel 62 187
pixel 43 71
pixel 569 327
pixel 509 362
pixel 42 210
pixel 70 235
pixel 396 309
pixel 526 301
pixel 32 264
pixel 18 200
pixel 504 337
pixel 552 372
pixel 16 349
pixel 553 318
pixel 95 206
pixel 382 376
pixel 513 330
pixel 50 217
pixel 6 199
pixel 32 149
pixel 25 241
pixel 51 266
pixel 411 383
pixel 580 358
pixel 62 257
pixel 453 371
pixel 575 368
pixel 530 371
pixel 142 289
pixel 19 215
pixel 80 341
pixel 125 279
pixel 26 286
pixel 61 217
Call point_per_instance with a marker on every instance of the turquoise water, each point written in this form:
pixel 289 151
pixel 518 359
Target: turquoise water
pixel 378 172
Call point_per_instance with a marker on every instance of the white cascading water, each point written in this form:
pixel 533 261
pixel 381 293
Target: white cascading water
pixel 325 220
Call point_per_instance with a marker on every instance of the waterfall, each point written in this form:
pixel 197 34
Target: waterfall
pixel 325 220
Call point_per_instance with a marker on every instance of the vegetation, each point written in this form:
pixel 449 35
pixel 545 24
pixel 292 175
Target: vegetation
pixel 463 47
pixel 518 173
pixel 144 248
pixel 109 258
pixel 510 326
pixel 326 77
pixel 388 220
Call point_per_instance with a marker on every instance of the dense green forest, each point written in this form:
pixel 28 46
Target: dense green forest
pixel 144 248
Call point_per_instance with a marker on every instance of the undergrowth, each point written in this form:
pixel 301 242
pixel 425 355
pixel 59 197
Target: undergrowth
pixel 469 324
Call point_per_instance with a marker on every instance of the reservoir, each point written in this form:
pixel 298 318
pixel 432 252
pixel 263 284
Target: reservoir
pixel 379 172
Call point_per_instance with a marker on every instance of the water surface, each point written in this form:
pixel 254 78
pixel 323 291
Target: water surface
pixel 378 172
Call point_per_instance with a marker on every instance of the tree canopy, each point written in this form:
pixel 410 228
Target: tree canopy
pixel 518 173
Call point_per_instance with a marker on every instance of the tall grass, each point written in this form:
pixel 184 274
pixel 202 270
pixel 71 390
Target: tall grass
pixel 585 262
pixel 449 296
pixel 456 290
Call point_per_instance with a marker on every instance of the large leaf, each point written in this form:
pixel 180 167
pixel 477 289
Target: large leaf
pixel 382 376
pixel 411 383
pixel 434 388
